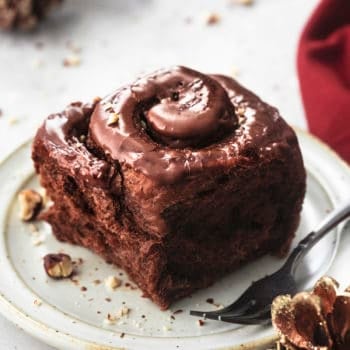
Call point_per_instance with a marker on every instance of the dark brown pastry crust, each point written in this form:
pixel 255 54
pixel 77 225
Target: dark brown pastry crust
pixel 177 233
pixel 24 14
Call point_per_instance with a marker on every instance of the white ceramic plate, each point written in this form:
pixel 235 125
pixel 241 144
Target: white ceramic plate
pixel 64 316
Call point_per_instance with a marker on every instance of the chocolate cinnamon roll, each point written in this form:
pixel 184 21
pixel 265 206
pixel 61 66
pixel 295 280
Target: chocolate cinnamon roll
pixel 179 178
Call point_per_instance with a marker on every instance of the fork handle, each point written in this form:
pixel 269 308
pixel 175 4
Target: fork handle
pixel 304 246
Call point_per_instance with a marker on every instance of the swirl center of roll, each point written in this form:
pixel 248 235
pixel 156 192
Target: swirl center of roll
pixel 192 110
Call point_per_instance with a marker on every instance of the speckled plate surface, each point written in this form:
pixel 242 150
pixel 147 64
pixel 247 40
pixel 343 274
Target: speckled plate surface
pixel 71 314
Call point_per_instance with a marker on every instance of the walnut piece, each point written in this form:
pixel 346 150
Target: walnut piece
pixel 72 61
pixel 212 18
pixel 112 282
pixel 58 266
pixel 30 203
pixel 319 320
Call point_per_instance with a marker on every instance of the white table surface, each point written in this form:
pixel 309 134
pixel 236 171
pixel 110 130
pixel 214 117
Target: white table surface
pixel 122 39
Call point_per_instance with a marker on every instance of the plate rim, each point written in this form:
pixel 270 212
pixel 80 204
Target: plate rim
pixel 43 332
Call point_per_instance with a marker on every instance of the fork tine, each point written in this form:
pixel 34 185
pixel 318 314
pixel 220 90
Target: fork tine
pixel 262 319
pixel 239 310
pixel 238 307
pixel 257 317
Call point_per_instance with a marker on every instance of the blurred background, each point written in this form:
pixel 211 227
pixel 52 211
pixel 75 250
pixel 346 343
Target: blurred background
pixel 86 48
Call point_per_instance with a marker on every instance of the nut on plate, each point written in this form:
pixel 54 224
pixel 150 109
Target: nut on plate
pixel 319 320
pixel 58 266
pixel 30 202
pixel 112 282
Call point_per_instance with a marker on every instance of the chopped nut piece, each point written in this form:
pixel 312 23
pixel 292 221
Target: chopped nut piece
pixel 200 323
pixel 110 319
pixel 58 266
pixel 72 61
pixel 30 203
pixel 212 18
pixel 37 241
pixel 124 311
pixel 34 230
pixel 37 302
pixel 13 120
pixel 112 282
pixel 113 118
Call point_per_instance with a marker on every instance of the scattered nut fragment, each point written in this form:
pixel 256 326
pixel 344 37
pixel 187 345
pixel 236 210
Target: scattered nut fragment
pixel 37 302
pixel 200 323
pixel 34 230
pixel 58 266
pixel 124 311
pixel 212 302
pixel 113 118
pixel 110 319
pixel 112 282
pixel 30 203
pixel 13 120
pixel 72 61
pixel 212 18
pixel 36 241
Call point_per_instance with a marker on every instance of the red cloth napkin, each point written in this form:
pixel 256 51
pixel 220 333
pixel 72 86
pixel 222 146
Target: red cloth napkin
pixel 324 73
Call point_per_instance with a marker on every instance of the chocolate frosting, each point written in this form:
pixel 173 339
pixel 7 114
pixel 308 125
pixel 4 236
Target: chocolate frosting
pixel 175 122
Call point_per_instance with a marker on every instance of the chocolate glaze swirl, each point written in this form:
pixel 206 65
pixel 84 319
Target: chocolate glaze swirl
pixel 173 124
pixel 178 108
